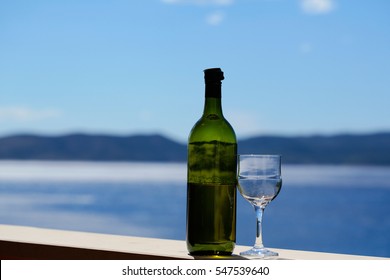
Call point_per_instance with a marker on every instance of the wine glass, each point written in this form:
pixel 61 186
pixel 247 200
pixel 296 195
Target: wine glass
pixel 259 182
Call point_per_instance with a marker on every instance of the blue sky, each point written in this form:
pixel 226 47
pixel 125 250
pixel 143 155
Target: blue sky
pixel 292 67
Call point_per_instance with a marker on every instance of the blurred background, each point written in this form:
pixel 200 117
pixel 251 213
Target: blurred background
pixel 293 68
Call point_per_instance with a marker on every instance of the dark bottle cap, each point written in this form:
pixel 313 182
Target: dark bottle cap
pixel 213 75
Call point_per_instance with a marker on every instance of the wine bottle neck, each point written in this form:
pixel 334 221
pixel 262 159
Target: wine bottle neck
pixel 213 103
pixel 213 89
pixel 213 106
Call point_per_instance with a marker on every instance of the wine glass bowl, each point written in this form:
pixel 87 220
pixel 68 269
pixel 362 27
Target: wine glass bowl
pixel 259 182
pixel 259 195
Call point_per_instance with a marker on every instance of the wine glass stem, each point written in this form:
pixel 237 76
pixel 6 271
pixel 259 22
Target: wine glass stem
pixel 259 229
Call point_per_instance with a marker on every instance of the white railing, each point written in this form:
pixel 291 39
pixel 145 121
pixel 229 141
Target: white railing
pixel 19 242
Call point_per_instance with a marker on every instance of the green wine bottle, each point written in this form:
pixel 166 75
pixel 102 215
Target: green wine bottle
pixel 211 177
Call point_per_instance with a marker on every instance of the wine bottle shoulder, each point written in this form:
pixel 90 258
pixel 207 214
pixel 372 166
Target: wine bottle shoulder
pixel 212 129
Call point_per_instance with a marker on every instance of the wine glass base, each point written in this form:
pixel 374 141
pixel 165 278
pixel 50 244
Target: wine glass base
pixel 259 253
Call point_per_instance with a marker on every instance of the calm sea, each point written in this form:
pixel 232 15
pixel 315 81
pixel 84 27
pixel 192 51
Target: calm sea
pixel 339 209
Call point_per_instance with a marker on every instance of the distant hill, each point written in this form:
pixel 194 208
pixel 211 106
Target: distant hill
pixel 370 149
pixel 92 147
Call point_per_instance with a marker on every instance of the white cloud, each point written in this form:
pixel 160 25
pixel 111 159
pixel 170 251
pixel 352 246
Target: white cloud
pixel 305 47
pixel 317 6
pixel 22 114
pixel 200 2
pixel 215 18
